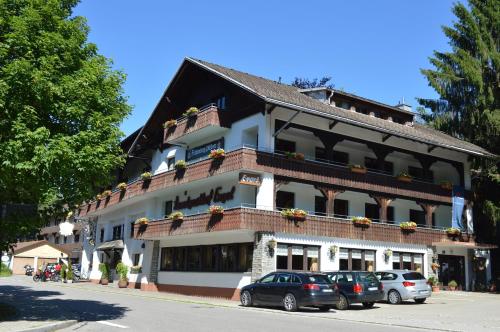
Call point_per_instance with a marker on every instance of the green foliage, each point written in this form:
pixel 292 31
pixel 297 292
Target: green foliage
pixel 4 270
pixel 122 270
pixel 305 83
pixel 452 283
pixel 467 80
pixel 61 104
pixel 64 269
pixel 69 271
pixel 104 269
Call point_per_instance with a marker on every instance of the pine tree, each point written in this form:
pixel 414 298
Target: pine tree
pixel 467 81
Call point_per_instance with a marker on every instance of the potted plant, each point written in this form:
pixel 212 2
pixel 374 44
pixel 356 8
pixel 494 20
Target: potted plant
pixel 69 272
pixel 176 216
pixel 433 282
pixel 295 155
pixel 357 169
pixel 217 154
pixel 62 273
pixel 452 285
pixel 453 232
pixel 106 193
pixel 404 177
pixel 170 124
pixel 387 254
pixel 180 165
pixel 446 185
pixel 216 210
pixel 104 269
pixel 408 226
pixel 146 176
pixel 98 197
pixel 122 270
pixel 190 112
pixel 142 221
pixel 435 266
pixel 122 186
pixel 294 214
pixel 361 221
pixel 334 250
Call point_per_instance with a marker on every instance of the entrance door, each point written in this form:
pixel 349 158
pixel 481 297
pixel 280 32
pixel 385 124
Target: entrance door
pixel 452 268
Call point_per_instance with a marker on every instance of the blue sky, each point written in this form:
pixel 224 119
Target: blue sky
pixel 372 48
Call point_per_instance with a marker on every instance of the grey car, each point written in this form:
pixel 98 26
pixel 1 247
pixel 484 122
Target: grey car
pixel 401 285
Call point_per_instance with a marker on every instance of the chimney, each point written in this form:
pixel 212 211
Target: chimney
pixel 403 106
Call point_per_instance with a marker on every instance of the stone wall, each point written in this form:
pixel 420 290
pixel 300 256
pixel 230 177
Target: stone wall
pixel 263 259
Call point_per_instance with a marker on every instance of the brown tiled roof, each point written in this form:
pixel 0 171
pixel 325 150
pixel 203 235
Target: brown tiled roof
pixel 288 95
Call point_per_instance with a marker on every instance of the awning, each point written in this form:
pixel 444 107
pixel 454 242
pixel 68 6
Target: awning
pixel 469 245
pixel 110 245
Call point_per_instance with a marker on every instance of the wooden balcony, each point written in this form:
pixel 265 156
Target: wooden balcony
pixel 272 221
pixel 293 170
pixel 207 122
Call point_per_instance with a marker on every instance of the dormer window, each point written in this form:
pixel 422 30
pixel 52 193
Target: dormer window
pixel 221 102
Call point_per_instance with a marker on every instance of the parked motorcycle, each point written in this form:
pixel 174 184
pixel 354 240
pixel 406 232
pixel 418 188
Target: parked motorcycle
pixel 28 270
pixel 76 274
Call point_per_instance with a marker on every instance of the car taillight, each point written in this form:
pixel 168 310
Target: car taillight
pixel 408 284
pixel 310 287
pixel 357 288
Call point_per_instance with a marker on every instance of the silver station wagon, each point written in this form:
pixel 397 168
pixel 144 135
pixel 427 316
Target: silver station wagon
pixel 401 285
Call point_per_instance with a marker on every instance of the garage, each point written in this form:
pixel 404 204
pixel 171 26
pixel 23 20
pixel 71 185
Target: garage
pixel 36 254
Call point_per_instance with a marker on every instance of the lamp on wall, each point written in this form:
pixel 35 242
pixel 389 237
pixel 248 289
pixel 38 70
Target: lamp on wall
pixel 271 246
pixel 334 250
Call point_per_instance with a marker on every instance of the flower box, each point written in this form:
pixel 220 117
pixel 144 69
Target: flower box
pixel 294 214
pixel 142 221
pixel 217 154
pixel 453 232
pixel 190 112
pixel 176 216
pixel 447 185
pixel 361 221
pixel 295 155
pixel 216 210
pixel 387 254
pixel 106 193
pixel 408 226
pixel 146 176
pixel 357 169
pixel 434 266
pixel 98 197
pixel 122 186
pixel 170 124
pixel 404 177
pixel 180 165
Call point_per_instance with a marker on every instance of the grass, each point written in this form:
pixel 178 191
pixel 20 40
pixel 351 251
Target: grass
pixel 4 270
pixel 6 311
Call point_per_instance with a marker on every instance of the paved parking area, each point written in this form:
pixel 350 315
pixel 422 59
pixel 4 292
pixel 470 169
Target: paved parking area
pixel 98 307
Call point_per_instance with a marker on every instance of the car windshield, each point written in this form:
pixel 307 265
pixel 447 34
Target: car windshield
pixel 367 276
pixel 319 279
pixel 413 276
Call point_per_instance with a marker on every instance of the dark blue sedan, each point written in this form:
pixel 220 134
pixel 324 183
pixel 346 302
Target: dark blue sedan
pixel 292 290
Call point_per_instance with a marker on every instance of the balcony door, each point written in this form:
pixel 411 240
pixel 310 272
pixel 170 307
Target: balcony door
pixel 285 200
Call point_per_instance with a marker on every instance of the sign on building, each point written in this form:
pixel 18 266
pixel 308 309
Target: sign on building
pixel 203 150
pixel 250 179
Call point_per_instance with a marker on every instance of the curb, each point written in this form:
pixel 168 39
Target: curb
pixel 51 327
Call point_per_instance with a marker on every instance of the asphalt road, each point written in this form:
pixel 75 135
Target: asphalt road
pixel 105 308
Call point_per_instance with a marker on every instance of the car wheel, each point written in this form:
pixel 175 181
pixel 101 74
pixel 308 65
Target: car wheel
pixel 289 302
pixel 368 305
pixel 420 301
pixel 343 303
pixel 246 299
pixel 394 297
pixel 324 308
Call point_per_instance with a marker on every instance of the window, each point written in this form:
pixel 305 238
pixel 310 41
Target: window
pixel 371 163
pixel 56 240
pixel 320 154
pixel 297 257
pixel 418 173
pixel 409 261
pixel 117 232
pixel 417 216
pixel 268 279
pixel 341 157
pixel 65 239
pixel 372 211
pixel 170 163
pixel 390 214
pixel 132 229
pixel 285 200
pixel 136 258
pixel 320 205
pixel 284 278
pixel 341 208
pixel 282 145
pixel 77 237
pixel 222 258
pixel 168 208
pixel 357 260
pixel 221 102
pixel 101 236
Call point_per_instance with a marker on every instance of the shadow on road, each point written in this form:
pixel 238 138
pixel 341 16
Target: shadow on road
pixel 37 305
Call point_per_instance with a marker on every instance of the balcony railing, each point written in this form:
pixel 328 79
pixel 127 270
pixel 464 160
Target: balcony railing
pixel 244 218
pixel 305 171
pixel 207 119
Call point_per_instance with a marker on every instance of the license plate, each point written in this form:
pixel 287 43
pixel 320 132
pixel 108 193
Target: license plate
pixel 327 290
pixel 372 288
pixel 424 292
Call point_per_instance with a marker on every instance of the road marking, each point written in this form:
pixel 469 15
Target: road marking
pixel 112 324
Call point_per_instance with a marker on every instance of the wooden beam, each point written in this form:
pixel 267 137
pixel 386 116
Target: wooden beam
pixel 431 148
pixel 386 137
pixel 333 124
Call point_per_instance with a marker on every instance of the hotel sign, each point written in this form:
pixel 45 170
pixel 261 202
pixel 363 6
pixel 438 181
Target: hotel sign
pixel 203 150
pixel 250 179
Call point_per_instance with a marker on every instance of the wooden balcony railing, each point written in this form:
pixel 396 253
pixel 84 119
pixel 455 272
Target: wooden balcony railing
pixel 272 221
pixel 207 117
pixel 293 170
